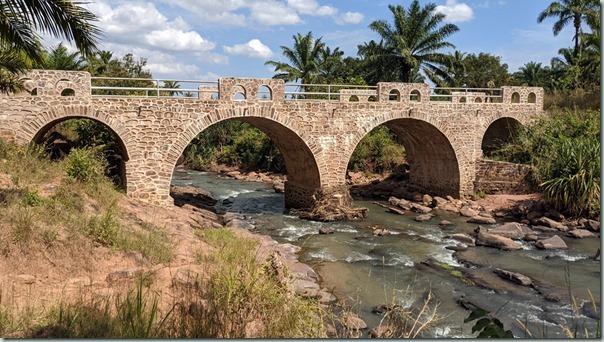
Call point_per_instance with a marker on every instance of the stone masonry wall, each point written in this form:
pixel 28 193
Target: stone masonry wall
pixel 317 138
pixel 496 177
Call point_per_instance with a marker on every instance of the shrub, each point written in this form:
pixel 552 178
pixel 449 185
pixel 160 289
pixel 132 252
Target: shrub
pixel 86 165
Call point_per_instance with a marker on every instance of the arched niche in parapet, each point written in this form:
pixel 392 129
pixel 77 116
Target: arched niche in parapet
pixel 239 93
pixel 515 97
pixel 462 99
pixel 265 93
pixel 498 133
pixel 65 87
pixel 394 95
pixel 477 100
pixel 353 98
pixel 372 98
pixel 532 98
pixel 30 87
pixel 415 96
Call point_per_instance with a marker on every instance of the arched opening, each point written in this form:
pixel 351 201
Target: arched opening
pixel 532 98
pixel 239 93
pixel 265 93
pixel 258 146
pixel 68 92
pixel 353 98
pixel 462 99
pixel 60 136
pixel 372 99
pixel 34 92
pixel 477 100
pixel 498 134
pixel 427 160
pixel 394 95
pixel 415 96
pixel 515 97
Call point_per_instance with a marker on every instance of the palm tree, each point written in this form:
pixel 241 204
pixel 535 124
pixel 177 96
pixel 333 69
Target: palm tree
pixel 412 43
pixel 171 85
pixel 531 74
pixel 571 11
pixel 59 59
pixel 305 58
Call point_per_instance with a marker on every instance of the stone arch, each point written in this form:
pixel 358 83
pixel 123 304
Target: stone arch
pixel 499 131
pixel 265 93
pixel 353 98
pixel 415 96
pixel 303 158
pixel 532 98
pixel 394 95
pixel 477 100
pixel 34 128
pixel 433 159
pixel 239 93
pixel 515 97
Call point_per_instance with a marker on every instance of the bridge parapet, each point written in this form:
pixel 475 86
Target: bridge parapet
pixel 403 92
pixel 56 83
pixel 358 95
pixel 513 95
pixel 250 89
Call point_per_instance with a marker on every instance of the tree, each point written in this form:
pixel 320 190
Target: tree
pixel 22 19
pixel 412 43
pixel 171 85
pixel 484 70
pixel 571 11
pixel 306 58
pixel 532 74
pixel 59 59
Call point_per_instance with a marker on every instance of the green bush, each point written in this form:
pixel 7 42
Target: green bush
pixel 377 152
pixel 86 165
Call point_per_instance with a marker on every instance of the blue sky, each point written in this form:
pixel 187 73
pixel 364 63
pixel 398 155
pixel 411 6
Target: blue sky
pixel 207 39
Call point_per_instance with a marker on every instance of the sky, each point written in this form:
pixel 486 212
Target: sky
pixel 208 39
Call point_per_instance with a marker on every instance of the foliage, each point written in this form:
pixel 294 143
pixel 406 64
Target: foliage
pixel 85 165
pixel 487 325
pixel 564 148
pixel 305 58
pixel 377 152
pixel 412 43
pixel 58 58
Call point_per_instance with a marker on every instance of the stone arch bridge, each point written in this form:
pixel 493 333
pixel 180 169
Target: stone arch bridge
pixel 443 131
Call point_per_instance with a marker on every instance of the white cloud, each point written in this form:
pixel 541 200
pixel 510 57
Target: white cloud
pixel 350 18
pixel 456 12
pixel 253 48
pixel 271 13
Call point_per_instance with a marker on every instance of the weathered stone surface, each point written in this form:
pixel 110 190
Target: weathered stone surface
pixel 491 240
pixel 438 201
pixel 352 321
pixel 592 225
pixel 514 277
pixel 418 208
pixel 381 331
pixel 482 220
pixel 555 242
pixel 325 230
pixel 510 230
pixel 423 217
pixel 463 238
pixel 548 222
pixel 580 233
pixel 445 223
pixel 468 212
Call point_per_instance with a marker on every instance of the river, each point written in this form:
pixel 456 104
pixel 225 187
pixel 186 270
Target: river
pixel 367 270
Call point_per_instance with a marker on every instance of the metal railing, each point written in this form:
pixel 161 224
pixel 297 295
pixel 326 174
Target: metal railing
pixel 146 87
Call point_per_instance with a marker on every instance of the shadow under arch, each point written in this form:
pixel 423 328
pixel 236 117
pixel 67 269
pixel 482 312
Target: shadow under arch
pixel 498 133
pixel 434 166
pixel 119 162
pixel 300 162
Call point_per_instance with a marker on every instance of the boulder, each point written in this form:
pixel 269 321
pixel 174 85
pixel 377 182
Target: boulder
pixel 531 237
pixel 548 222
pixel 510 230
pixel 481 220
pixel 325 230
pixel 381 331
pixel 554 215
pixel 418 208
pixel 380 231
pixel 427 199
pixel 438 201
pixel 402 203
pixel 533 215
pixel 449 207
pixel 580 233
pixel 592 225
pixel 445 223
pixel 468 212
pixel 514 277
pixel 555 242
pixel 492 240
pixel 463 238
pixel 423 217
pixel 353 322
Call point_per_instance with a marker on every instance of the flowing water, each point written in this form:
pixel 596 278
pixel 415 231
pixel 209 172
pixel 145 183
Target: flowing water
pixel 371 270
